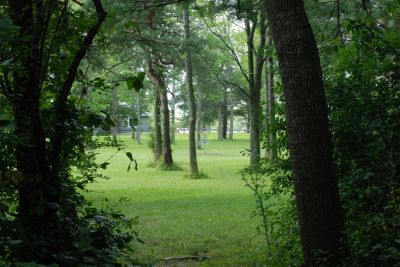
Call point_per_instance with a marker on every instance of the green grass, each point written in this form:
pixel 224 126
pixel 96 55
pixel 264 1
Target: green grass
pixel 183 217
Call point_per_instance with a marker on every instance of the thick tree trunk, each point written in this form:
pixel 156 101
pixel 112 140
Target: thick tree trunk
pixel 317 194
pixel 198 121
pixel 114 115
pixel 41 170
pixel 192 104
pixel 31 155
pixel 162 128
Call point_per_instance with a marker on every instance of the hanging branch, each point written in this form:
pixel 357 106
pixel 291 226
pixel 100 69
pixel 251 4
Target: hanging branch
pixel 73 69
pixel 339 28
pixel 47 59
pixel 237 86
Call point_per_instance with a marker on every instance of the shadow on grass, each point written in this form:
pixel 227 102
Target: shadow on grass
pixel 163 167
pixel 201 175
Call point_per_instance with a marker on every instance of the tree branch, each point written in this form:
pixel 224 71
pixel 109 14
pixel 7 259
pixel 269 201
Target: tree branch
pixel 238 87
pixel 233 52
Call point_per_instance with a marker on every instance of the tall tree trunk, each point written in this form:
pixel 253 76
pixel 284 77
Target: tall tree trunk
pixel 39 190
pixel 192 104
pixel 162 129
pixel 139 116
pixel 270 149
pixel 231 117
pixel 31 157
pixel 220 122
pixel 173 113
pixel 114 115
pixel 157 126
pixel 255 77
pixel 317 195
pixel 165 129
pixel 224 117
pixel 198 121
pixel 248 118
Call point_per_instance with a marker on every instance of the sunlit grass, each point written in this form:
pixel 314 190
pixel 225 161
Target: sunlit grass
pixel 182 217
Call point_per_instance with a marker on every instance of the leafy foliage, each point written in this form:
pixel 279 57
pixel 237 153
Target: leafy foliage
pixel 363 93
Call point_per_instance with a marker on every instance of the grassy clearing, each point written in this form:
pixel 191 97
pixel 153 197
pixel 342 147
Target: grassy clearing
pixel 182 217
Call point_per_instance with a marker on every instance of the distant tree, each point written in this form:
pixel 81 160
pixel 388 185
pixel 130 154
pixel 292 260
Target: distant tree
pixel 254 19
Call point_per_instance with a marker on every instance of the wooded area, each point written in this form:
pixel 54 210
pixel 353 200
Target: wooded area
pixel 312 87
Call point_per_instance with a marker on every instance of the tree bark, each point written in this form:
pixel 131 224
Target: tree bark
pixel 162 129
pixel 255 77
pixel 224 117
pixel 114 115
pixel 198 121
pixel 317 196
pixel 31 155
pixel 192 104
pixel 40 167
pixel 270 149
pixel 173 113
pixel 139 116
pixel 165 129
pixel 231 117
pixel 220 122
pixel 157 126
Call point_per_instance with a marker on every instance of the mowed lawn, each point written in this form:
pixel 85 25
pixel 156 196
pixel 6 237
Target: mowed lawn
pixel 181 217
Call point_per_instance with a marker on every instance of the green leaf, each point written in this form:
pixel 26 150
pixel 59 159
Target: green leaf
pixel 136 82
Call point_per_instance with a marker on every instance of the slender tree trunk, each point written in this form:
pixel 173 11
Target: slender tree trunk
pixel 317 195
pixel 157 126
pixel 192 104
pixel 270 149
pixel 165 129
pixel 224 117
pixel 231 117
pixel 220 122
pixel 114 115
pixel 198 122
pixel 173 113
pixel 248 118
pixel 255 77
pixel 139 115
